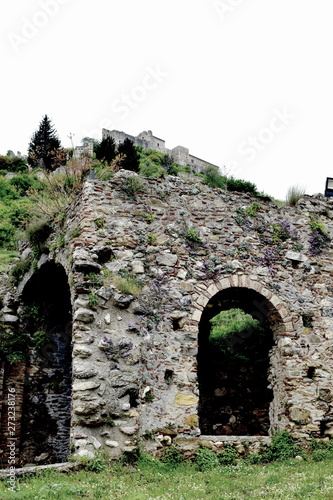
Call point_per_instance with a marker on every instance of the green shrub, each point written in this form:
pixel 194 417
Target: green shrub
pixel 19 270
pixel 92 300
pixel 41 337
pixel 241 186
pixel 20 212
pixel 253 209
pixel 172 457
pixel 150 169
pixel 281 448
pixel 25 182
pixel 213 178
pixel 235 323
pixel 317 225
pixel 132 186
pixel 7 190
pixel 206 460
pixel 14 346
pixel 192 235
pixel 12 164
pixel 96 464
pixel 151 238
pixel 228 455
pixel 256 458
pixel 7 231
pixel 321 454
pixel 39 232
pixel 186 169
pixel 149 218
pixel 100 222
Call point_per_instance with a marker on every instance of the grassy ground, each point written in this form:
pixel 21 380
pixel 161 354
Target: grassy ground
pixel 6 257
pixel 287 480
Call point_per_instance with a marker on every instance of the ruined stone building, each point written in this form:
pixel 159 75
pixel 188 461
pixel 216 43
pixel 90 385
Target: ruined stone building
pixel 127 294
pixel 147 140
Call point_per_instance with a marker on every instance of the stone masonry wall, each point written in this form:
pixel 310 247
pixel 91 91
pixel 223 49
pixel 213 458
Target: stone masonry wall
pixel 135 370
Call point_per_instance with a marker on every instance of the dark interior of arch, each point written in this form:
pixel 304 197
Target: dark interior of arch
pixel 47 403
pixel 234 394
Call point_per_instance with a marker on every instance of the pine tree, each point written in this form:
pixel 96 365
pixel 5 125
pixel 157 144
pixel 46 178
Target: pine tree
pixel 45 147
pixel 106 150
pixel 131 157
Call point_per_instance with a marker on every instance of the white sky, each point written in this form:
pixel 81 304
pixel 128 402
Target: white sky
pixel 214 76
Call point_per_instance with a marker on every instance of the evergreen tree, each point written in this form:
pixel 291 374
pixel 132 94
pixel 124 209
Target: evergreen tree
pixel 131 156
pixel 106 150
pixel 45 147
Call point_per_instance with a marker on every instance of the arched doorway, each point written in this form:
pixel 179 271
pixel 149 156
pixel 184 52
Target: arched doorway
pixel 47 318
pixel 235 394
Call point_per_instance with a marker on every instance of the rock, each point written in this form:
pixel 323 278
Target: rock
pixel 9 319
pixel 236 264
pixel 105 292
pixel 167 259
pixel 129 431
pixel 81 443
pixel 87 408
pixel 84 453
pixel 191 421
pixel 42 457
pixel 81 303
pixel 156 202
pixel 85 386
pixel 185 400
pixel 82 352
pixel 178 314
pixel 97 445
pixel 84 373
pixel 295 256
pixel 107 319
pixel 182 274
pixel 122 301
pixel 299 415
pixel 84 315
pixel 112 444
pixel 82 266
pixel 138 267
pixel 124 174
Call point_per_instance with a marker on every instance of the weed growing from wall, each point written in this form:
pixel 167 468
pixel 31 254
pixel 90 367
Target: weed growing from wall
pixel 319 237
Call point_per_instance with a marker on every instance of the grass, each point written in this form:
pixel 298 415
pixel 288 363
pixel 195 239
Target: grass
pixel 278 480
pixel 6 258
pixel 127 284
pixel 294 194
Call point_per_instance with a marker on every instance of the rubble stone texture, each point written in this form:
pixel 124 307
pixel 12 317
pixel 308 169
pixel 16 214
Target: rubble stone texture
pixel 136 353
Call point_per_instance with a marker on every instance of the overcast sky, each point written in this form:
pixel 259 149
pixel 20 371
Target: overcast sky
pixel 245 84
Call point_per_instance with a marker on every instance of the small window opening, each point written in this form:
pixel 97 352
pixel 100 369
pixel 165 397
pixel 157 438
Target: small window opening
pixel 168 376
pixel 176 324
pixel 307 320
pixel 311 372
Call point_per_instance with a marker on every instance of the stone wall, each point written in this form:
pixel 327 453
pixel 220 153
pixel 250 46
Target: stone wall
pixel 135 355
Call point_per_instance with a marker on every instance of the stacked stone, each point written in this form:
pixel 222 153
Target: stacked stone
pixel 134 377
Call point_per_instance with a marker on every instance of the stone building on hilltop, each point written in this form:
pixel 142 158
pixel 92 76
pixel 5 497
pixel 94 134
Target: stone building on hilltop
pixel 147 140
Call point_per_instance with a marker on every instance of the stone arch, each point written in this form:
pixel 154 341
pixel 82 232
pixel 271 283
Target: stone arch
pixel 47 317
pixel 254 388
